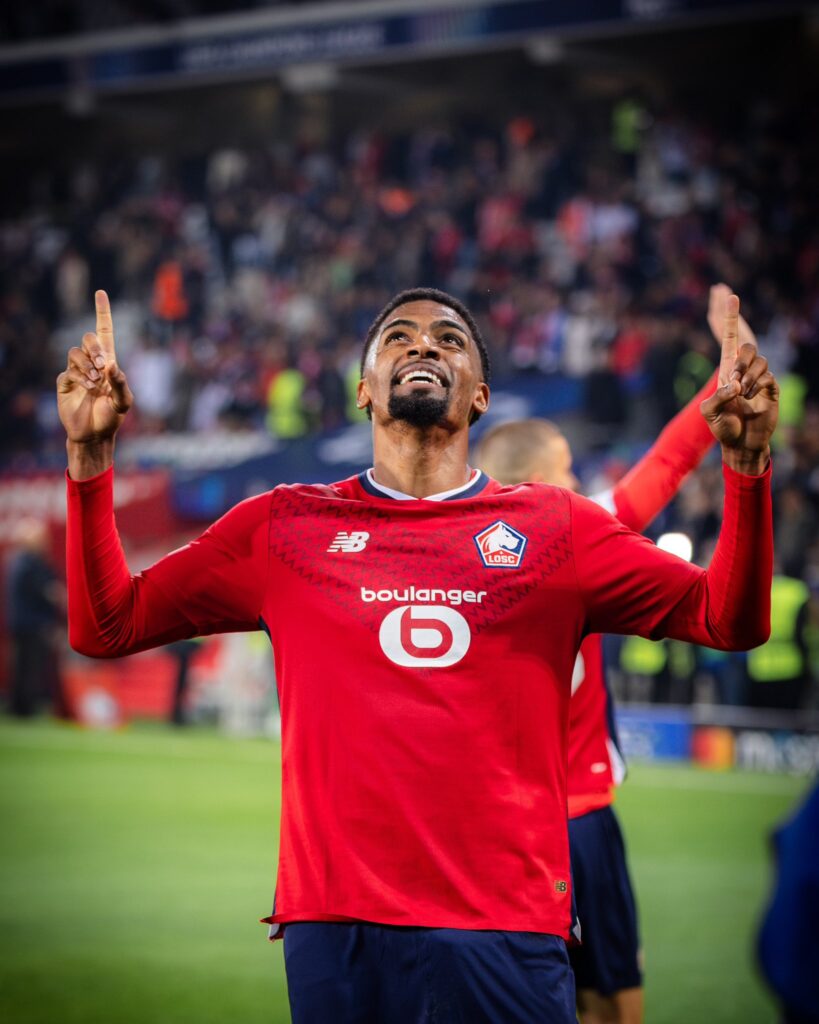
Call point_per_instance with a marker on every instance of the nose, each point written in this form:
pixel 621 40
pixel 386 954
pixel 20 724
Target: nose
pixel 426 347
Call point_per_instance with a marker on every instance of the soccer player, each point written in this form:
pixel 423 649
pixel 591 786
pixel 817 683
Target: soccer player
pixel 425 621
pixel 607 966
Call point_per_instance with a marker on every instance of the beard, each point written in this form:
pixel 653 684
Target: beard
pixel 419 409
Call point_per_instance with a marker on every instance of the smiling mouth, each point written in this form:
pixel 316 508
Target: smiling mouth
pixel 421 377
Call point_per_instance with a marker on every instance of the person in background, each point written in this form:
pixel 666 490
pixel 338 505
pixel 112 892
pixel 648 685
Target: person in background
pixel 35 603
pixel 778 671
pixel 788 940
pixel 182 651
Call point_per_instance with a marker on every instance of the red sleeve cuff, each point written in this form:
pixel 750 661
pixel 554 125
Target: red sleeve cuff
pixel 746 481
pixel 92 484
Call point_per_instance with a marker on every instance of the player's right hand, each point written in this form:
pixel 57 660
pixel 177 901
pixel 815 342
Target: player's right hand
pixel 92 393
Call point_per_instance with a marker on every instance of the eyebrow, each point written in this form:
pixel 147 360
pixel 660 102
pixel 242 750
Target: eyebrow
pixel 399 323
pixel 450 323
pixel 437 323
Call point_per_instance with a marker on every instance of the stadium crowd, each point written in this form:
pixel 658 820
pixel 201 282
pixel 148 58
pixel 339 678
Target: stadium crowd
pixel 251 277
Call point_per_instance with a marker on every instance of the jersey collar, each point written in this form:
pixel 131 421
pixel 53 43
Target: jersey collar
pixel 476 483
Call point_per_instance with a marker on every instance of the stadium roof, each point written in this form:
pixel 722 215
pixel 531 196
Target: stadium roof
pixel 323 35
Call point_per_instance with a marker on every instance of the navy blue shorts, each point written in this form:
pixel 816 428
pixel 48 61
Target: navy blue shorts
pixel 609 958
pixel 377 974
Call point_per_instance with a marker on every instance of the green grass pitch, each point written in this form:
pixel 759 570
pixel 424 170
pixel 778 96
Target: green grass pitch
pixel 134 866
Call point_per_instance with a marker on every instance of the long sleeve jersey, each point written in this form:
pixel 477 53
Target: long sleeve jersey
pixel 423 651
pixel 595 763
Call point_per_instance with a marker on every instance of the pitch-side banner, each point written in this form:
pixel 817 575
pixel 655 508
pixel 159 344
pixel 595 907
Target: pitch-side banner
pixel 198 52
pixel 142 500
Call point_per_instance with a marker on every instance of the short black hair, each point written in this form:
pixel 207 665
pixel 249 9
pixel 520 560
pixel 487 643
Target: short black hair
pixel 431 295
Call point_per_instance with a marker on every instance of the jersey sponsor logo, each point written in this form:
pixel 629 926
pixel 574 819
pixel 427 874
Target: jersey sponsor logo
pixel 349 542
pixel 424 636
pixel 409 595
pixel 500 546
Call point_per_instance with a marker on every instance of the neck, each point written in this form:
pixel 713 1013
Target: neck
pixel 420 461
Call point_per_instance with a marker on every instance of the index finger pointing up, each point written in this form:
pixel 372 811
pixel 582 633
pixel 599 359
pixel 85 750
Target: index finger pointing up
pixel 730 339
pixel 105 326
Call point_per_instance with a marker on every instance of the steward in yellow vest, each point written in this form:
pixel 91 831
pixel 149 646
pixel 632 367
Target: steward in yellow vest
pixel 285 404
pixel 778 670
pixel 645 665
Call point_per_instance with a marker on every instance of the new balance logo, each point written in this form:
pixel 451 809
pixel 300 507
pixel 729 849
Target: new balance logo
pixel 348 542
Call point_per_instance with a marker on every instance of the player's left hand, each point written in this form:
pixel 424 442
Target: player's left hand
pixel 743 411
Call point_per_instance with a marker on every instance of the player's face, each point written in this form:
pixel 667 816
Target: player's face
pixel 424 368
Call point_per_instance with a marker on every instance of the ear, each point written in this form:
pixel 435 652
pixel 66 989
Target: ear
pixel 363 399
pixel 480 400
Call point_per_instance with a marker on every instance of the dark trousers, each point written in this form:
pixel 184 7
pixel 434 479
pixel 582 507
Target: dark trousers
pixel 34 672
pixel 376 974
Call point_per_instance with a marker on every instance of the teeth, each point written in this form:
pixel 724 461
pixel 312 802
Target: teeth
pixel 421 375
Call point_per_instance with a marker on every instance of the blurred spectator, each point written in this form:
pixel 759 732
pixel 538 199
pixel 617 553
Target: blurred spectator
pixel 604 397
pixel 169 303
pixel 629 119
pixel 152 375
pixel 796 529
pixel 331 392
pixel 778 670
pixel 285 407
pixel 694 368
pixel 182 651
pixel 644 664
pixel 72 284
pixel 726 672
pixel 788 940
pixel 35 603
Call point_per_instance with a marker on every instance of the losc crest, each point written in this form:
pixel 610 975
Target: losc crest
pixel 501 546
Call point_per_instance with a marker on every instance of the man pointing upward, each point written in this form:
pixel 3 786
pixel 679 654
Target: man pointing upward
pixel 423 871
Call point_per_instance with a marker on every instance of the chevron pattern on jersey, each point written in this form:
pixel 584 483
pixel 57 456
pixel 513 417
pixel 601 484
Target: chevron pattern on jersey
pixel 419 545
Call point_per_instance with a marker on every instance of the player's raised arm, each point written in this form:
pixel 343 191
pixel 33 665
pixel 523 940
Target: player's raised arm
pixel 682 444
pixel 214 584
pixel 93 398
pixel 632 587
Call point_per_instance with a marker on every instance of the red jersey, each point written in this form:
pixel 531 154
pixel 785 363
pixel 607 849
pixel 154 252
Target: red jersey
pixel 422 648
pixel 595 763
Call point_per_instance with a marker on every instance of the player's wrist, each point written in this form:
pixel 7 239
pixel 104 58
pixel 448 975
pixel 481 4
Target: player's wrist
pixel 89 458
pixel 751 462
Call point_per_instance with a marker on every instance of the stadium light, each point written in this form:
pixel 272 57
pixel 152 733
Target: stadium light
pixel 679 544
pixel 545 50
pixel 301 78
